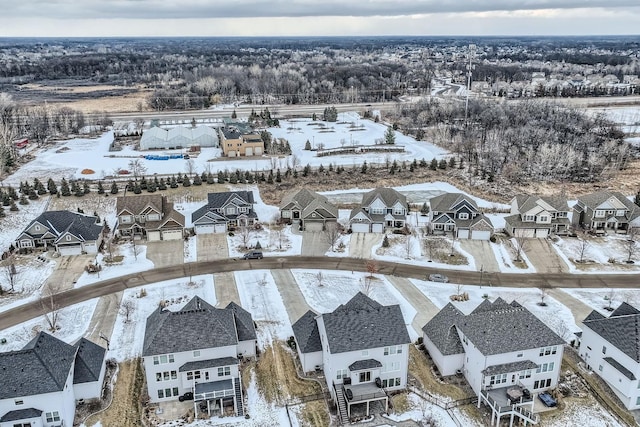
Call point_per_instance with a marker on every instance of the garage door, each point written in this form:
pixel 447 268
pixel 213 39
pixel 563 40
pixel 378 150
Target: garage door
pixel 313 226
pixel 360 228
pixel 542 232
pixel 258 151
pixel 172 235
pixel 248 151
pixel 463 234
pixel 205 229
pixel 377 228
pixel 220 228
pixel 90 248
pixel 70 250
pixel 480 235
pixel 231 153
pixel 153 236
pixel 524 232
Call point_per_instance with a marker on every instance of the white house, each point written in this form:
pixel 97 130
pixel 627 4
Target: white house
pixel 502 350
pixel 610 346
pixel 40 384
pixel 381 209
pixel 195 352
pixel 363 348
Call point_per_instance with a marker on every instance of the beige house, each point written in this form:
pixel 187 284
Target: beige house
pixel 235 144
pixel 150 216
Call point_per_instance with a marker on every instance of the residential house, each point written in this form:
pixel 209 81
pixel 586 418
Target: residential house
pixel 235 143
pixel 363 348
pixel 310 210
pixel 149 216
pixel 381 209
pixel 501 349
pixel 606 211
pixel 610 346
pixel 68 233
pixel 197 350
pixel 458 214
pixel 535 216
pixel 223 211
pixel 41 383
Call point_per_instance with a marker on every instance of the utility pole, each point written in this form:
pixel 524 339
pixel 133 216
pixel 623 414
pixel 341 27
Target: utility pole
pixel 471 55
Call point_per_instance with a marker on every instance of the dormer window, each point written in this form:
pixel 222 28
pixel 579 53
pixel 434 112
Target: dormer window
pixel 68 238
pixel 463 215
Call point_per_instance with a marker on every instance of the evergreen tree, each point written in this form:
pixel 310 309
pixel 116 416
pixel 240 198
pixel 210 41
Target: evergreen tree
pixel 442 164
pixel 221 177
pixel 270 178
pixel 39 187
pixel 314 117
pixel 452 162
pixel 13 207
pixel 12 193
pixel 174 182
pixel 85 187
pixel 306 170
pixel 197 180
pixel 278 176
pixel 64 188
pixel 330 114
pixel 100 188
pixel 636 200
pixel 295 173
pixel 390 136
pixel 425 209
pixel 233 178
pixel 330 167
pixel 307 145
pixel 258 245
pixel 321 168
pixel 2 214
pixel 162 185
pixel 234 115
pixel 210 179
pixel 363 169
pixel 180 179
pixel 434 164
pixel 186 182
pixel 114 187
pixel 51 186
pixel 76 189
pixel 136 188
pixel 423 163
pixel 6 200
pixel 33 195
pixel 385 242
pixel 23 199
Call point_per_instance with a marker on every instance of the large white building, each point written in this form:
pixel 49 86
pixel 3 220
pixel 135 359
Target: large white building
pixel 501 349
pixel 195 352
pixel 363 348
pixel 610 346
pixel 178 137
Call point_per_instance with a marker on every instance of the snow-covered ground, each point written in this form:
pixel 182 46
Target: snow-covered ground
pixel 14 222
pixel 504 257
pixel 598 251
pixel 604 300
pixel 30 275
pixel 131 263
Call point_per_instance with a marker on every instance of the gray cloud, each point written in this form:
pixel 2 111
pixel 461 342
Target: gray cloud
pixel 197 9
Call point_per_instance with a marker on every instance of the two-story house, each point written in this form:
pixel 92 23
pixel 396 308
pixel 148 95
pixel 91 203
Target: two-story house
pixel 223 211
pixel 68 233
pixel 235 143
pixel 606 210
pixel 380 209
pixel 539 217
pixel 195 353
pixel 610 346
pixel 458 214
pixel 363 348
pixel 505 352
pixel 149 216
pixel 311 210
pixel 40 384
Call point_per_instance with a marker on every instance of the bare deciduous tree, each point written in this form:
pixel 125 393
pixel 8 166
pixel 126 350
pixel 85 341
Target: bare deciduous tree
pixel 583 245
pixel 408 247
pixel 137 168
pixel 631 245
pixel 372 268
pixel 50 305
pixel 245 235
pixel 366 285
pixel 10 273
pixel 520 243
pixel 190 167
pixel 320 279
pixel 543 291
pixel 332 232
pixel 126 309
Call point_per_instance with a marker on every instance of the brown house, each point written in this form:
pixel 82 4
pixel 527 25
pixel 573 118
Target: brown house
pixel 149 216
pixel 235 144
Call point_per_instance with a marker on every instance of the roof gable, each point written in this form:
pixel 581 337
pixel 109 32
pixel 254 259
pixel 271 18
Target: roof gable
pixel 89 361
pixel 305 330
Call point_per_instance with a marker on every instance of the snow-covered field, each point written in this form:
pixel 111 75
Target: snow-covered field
pixel 598 251
pixel 604 299
pixel 131 263
pixel 31 273
pixel 14 222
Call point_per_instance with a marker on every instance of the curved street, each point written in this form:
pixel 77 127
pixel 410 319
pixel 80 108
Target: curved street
pixel 34 309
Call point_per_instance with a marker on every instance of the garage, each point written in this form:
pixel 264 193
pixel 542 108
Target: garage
pixel 258 151
pixel 248 151
pixel 377 228
pixel 70 249
pixel 541 233
pixel 481 234
pixel 313 226
pixel 524 232
pixel 153 236
pixel 172 235
pixel 463 233
pixel 360 227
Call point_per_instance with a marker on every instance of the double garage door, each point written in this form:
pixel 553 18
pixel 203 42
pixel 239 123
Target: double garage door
pixel 211 228
pixel 539 233
pixel 154 236
pixel 70 249
pixel 474 234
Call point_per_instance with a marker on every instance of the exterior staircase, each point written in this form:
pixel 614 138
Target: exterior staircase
pixel 342 406
pixel 238 391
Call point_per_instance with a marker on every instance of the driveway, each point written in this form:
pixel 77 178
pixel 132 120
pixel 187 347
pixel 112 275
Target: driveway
pixel 226 289
pixel 314 243
pixel 166 252
pixel 423 305
pixel 544 258
pixel 361 244
pixel 68 270
pixel 103 319
pixel 212 246
pixel 482 253
pixel 579 309
pixel 291 294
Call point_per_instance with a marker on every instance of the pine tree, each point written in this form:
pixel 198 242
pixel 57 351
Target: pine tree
pixel 270 178
pixel 85 187
pixel 39 187
pixel 306 170
pixel 363 169
pixel 51 186
pixel 100 188
pixel 33 195
pixel 13 207
pixel 2 214
pixel 442 164
pixel 162 185
pixel 234 115
pixel 136 188
pixel 114 188
pixel 23 199
pixel 278 176
pixel 425 209
pixel 12 193
pixel 385 242
pixel 221 177
pixel 637 198
pixel 197 180
pixel 258 245
pixel 434 164
pixel 321 168
pixel 452 162
pixel 390 136
pixel 307 145
pixel 174 182
pixel 186 182
pixel 210 179
pixel 64 188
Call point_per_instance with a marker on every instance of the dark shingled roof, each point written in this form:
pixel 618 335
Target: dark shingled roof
pixel 365 364
pixel 624 371
pixel 388 195
pixel 506 368
pixel 83 227
pixel 209 363
pixel 89 362
pixel 198 325
pixel 42 366
pixel 622 330
pixel 306 333
pixel 446 201
pixel 21 414
pixel 308 201
pixel 442 332
pixel 362 323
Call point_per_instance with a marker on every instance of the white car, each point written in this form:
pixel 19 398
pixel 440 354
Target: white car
pixel 438 278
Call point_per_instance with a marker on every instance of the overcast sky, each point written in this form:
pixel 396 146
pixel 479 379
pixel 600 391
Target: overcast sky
pixel 43 18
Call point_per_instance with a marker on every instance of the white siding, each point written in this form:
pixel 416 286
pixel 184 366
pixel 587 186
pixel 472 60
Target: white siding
pixel 447 365
pixel 90 390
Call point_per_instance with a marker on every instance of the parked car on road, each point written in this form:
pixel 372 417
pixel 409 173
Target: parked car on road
pixel 438 278
pixel 547 399
pixel 253 255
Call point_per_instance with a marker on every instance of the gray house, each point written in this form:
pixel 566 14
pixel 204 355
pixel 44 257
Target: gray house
pixel 606 211
pixel 68 233
pixel 459 214
pixel 224 210
pixel 381 209
pixel 539 217
pixel 311 210
pixel 197 350
pixel 40 383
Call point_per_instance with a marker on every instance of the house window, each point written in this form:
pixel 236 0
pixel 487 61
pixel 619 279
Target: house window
pixel 620 212
pixel 529 218
pixel 193 375
pixel 68 238
pixel 398 211
pixel 243 209
pixel 52 417
pixel 604 349
pixel 196 353
pixel 125 219
pixel 153 217
pixel 638 400
pixel 393 349
pixel 286 214
pixel 161 360
pixel 545 367
pixel 545 351
pixel 520 355
pixel 542 383
pixel 37 228
pixel 599 214
pixel 525 374
pixel 365 376
pixel 393 366
pixel 230 210
pixel 224 372
pixel 463 215
pixel 341 373
pixel 543 219
pixel 498 379
pixel 19 402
